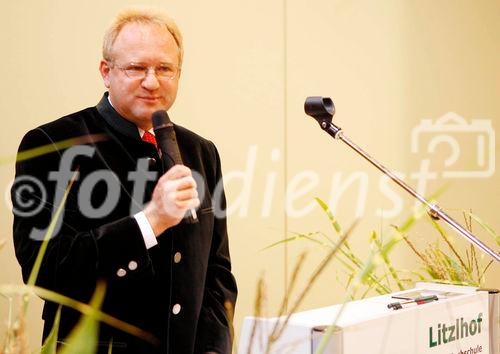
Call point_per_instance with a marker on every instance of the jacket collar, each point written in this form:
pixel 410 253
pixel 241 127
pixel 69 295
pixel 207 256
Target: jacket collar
pixel 115 120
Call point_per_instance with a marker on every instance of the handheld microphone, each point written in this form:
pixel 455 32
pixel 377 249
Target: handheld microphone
pixel 167 143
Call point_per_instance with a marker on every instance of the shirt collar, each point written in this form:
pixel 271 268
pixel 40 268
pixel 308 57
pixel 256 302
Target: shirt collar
pixel 141 132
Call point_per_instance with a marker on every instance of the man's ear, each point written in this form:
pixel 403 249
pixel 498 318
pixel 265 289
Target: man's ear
pixel 104 70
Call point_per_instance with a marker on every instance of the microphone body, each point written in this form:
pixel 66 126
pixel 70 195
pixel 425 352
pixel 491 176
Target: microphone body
pixel 171 155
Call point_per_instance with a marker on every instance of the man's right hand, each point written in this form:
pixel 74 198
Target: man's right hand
pixel 174 194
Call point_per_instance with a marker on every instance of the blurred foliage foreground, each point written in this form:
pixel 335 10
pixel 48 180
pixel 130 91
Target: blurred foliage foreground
pixel 84 336
pixel 442 260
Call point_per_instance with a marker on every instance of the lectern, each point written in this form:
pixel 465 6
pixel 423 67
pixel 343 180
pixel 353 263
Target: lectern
pixel 449 320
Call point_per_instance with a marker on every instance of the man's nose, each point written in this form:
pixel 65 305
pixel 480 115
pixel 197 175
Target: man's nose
pixel 151 82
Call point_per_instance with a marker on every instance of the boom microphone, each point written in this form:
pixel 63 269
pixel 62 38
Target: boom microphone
pixel 167 143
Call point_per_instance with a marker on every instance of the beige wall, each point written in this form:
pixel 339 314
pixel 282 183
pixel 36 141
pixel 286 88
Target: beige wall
pixel 248 68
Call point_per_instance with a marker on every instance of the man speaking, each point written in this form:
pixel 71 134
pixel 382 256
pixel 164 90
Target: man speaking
pixel 124 219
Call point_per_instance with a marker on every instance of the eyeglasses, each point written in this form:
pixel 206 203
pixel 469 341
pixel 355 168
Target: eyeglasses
pixel 140 71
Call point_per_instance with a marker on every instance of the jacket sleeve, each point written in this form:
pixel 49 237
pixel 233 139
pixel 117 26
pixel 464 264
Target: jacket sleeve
pixel 215 327
pixel 78 252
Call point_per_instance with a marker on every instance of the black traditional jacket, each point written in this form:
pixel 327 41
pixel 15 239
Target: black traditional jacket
pixel 181 290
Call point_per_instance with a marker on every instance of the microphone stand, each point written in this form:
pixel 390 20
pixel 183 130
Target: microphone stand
pixel 322 109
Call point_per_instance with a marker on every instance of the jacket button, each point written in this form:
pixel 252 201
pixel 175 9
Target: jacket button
pixel 121 272
pixel 177 257
pixel 176 309
pixel 132 265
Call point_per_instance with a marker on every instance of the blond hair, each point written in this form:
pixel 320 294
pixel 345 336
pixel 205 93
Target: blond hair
pixel 142 16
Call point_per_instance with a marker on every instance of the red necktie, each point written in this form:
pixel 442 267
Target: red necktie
pixel 150 138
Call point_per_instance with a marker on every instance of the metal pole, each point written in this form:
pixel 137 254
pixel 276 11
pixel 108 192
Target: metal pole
pixel 322 109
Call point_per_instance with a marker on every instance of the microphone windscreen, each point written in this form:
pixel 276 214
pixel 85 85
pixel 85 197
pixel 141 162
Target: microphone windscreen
pixel 166 139
pixel 167 143
pixel 160 118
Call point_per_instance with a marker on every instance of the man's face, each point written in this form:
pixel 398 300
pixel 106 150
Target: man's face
pixel 136 99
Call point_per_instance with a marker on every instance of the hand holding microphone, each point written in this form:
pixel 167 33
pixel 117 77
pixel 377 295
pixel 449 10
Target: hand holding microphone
pixel 175 196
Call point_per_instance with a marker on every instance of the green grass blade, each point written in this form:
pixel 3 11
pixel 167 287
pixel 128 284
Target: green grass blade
pixel 110 347
pixel 485 227
pixel 420 276
pixel 50 344
pixel 380 248
pixel 448 241
pixel 330 241
pixel 421 210
pixel 315 275
pixel 308 236
pixel 26 290
pixel 50 230
pixel 47 149
pixel 333 220
pixel 85 335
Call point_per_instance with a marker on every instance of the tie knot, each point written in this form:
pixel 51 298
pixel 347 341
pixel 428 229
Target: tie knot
pixel 149 138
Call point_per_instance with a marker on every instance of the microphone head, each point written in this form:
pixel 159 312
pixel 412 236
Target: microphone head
pixel 160 119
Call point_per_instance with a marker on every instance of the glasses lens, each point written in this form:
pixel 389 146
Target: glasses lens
pixel 166 71
pixel 136 71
